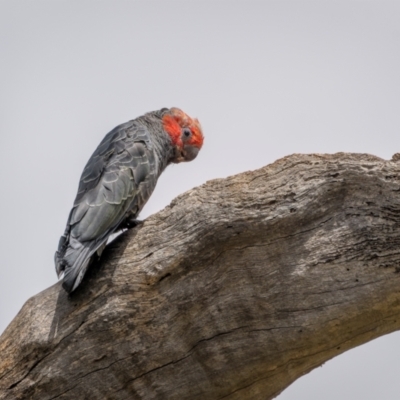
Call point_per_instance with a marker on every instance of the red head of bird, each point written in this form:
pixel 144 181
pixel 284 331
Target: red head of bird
pixel 186 134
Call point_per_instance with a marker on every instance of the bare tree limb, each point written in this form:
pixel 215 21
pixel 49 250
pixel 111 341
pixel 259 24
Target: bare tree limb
pixel 235 290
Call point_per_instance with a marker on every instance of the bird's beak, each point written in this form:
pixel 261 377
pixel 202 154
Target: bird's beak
pixel 190 153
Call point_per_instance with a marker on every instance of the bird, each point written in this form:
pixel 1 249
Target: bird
pixel 117 181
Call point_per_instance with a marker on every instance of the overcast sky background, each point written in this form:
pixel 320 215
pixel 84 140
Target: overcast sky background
pixel 266 79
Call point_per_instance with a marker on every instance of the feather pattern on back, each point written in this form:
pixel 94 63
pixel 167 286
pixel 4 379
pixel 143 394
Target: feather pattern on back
pixel 116 183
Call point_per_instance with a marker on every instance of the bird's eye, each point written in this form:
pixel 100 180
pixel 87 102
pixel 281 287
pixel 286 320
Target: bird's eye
pixel 187 133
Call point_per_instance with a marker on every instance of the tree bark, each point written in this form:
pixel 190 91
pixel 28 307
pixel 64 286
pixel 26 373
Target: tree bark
pixel 235 290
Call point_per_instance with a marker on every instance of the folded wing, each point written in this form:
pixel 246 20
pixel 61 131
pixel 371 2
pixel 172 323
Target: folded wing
pixel 116 182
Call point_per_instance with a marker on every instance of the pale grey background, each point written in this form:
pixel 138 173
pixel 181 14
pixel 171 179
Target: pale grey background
pixel 266 79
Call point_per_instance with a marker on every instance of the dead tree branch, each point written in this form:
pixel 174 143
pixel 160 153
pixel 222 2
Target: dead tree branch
pixel 235 290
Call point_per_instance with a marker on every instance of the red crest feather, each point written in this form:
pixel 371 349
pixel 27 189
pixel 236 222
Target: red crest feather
pixel 174 122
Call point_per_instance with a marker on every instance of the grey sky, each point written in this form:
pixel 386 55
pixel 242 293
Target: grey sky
pixel 266 79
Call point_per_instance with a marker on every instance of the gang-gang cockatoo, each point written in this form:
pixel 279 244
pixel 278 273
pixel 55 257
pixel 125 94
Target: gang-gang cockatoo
pixel 117 182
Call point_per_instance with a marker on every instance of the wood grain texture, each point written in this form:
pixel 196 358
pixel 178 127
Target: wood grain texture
pixel 235 290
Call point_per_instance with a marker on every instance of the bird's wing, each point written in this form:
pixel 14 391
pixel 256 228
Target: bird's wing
pixel 120 175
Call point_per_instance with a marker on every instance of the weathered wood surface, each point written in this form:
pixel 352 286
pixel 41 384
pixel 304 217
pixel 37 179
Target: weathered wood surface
pixel 235 290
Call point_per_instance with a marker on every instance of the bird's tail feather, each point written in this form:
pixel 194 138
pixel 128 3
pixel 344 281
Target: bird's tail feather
pixel 76 261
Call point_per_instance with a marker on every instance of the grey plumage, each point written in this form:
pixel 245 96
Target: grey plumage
pixel 115 185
